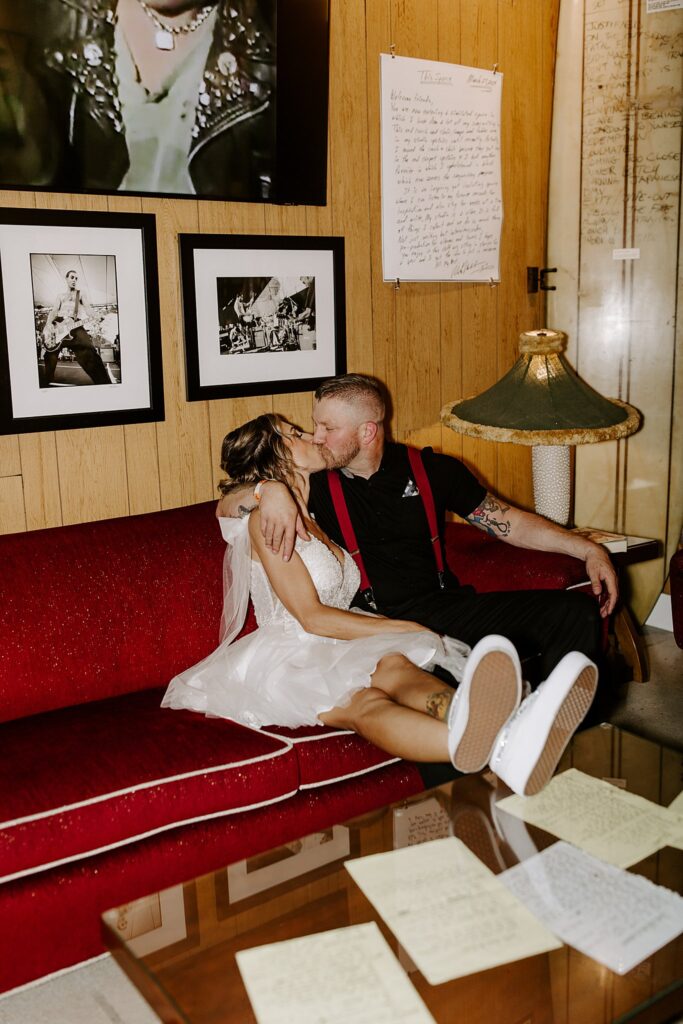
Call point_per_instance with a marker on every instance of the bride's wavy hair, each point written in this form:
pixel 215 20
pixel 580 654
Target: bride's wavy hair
pixel 256 451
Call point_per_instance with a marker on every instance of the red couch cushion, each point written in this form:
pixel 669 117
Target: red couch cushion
pixel 488 564
pixel 100 609
pixel 330 755
pixel 101 775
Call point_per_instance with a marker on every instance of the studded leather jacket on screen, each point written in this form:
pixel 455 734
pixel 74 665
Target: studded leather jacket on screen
pixel 233 137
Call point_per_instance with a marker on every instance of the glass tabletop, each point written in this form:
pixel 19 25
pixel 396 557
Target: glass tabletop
pixel 178 946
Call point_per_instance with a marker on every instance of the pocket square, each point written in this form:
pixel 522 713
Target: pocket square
pixel 411 490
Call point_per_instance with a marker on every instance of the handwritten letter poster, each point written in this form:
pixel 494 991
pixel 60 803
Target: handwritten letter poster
pixel 441 183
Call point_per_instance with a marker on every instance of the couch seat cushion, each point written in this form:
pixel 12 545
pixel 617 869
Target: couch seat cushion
pixel 329 755
pixel 488 564
pixel 104 774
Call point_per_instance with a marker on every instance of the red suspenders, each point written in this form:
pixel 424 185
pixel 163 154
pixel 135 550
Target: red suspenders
pixel 349 534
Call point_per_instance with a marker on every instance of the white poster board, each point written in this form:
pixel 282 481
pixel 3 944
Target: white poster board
pixel 442 205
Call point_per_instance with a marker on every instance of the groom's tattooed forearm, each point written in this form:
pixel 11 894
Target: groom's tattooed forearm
pixel 490 516
pixel 243 511
pixel 438 703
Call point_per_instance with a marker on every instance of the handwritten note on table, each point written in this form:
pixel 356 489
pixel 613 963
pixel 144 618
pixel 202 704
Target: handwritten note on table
pixel 616 918
pixel 442 206
pixel 449 912
pixel 618 827
pixel 345 976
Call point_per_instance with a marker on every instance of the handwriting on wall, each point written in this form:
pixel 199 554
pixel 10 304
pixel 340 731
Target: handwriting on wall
pixel 631 126
pixel 441 179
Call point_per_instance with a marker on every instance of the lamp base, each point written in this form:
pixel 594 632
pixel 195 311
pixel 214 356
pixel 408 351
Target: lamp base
pixel 552 485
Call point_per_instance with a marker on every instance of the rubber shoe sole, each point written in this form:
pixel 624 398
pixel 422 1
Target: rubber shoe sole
pixel 570 715
pixel 493 697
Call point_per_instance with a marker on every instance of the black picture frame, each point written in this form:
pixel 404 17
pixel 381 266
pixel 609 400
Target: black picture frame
pixel 262 314
pixel 112 372
pixel 259 120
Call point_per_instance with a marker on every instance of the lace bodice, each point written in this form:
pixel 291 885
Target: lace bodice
pixel 336 585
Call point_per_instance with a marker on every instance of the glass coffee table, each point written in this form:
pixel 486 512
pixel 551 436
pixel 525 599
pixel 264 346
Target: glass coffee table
pixel 178 946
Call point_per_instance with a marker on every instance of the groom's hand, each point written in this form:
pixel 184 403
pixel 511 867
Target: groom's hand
pixel 280 519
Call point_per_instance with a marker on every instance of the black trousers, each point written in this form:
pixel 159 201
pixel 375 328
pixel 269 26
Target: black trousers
pixel 86 355
pixel 546 622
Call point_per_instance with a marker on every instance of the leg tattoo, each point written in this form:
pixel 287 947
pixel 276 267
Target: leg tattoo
pixel 438 704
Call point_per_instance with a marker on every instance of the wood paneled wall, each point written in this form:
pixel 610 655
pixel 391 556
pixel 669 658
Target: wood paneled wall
pixel 430 343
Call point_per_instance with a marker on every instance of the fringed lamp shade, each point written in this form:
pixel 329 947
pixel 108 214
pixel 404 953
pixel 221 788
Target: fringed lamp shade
pixel 543 402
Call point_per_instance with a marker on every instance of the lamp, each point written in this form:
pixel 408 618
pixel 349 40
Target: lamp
pixel 543 402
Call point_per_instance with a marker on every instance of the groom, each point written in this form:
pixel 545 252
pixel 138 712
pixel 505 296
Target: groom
pixel 384 505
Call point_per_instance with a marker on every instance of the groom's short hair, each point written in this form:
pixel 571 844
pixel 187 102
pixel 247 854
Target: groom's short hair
pixel 354 388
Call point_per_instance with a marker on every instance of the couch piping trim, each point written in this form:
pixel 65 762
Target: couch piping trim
pixel 310 739
pixel 53 812
pixel 143 835
pixel 350 775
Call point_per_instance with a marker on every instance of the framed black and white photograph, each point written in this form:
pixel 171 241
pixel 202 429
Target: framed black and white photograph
pixel 263 314
pixel 79 320
pixel 217 99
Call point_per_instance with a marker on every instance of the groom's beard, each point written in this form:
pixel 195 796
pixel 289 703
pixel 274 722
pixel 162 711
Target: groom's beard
pixel 337 460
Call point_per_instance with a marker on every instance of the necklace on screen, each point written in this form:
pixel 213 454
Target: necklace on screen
pixel 163 37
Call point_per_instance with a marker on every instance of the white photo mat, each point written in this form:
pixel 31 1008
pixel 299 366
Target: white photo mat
pixel 17 243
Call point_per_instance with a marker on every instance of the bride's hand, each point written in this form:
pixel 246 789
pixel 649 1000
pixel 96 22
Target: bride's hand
pixel 280 519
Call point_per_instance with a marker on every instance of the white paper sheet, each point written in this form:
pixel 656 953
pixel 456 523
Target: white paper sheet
pixel 442 206
pixel 614 917
pixel 618 827
pixel 448 910
pixel 676 805
pixel 345 976
pixel 421 822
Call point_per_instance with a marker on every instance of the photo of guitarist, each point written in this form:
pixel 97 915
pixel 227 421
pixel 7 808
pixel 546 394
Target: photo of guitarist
pixel 64 329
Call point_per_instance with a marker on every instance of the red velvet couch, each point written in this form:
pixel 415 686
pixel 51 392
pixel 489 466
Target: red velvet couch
pixel 104 796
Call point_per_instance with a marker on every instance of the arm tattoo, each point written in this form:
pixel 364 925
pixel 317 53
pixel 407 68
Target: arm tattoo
pixel 243 511
pixel 438 704
pixel 490 516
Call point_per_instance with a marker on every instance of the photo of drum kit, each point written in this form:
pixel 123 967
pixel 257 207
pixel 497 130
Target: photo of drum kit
pixel 272 318
pixel 276 333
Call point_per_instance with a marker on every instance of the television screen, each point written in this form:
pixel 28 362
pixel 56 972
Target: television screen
pixel 225 99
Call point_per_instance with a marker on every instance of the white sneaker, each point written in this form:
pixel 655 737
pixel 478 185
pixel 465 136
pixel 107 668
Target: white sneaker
pixel 489 693
pixel 529 747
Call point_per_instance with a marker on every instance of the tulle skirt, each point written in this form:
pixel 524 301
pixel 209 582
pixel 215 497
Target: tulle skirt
pixel 281 675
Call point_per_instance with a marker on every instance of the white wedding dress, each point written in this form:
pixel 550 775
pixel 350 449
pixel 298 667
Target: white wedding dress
pixel 280 674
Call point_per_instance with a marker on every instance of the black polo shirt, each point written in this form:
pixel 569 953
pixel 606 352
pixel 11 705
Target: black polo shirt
pixel 390 522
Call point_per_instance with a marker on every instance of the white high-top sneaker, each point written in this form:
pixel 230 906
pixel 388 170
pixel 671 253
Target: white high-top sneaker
pixel 489 693
pixel 529 747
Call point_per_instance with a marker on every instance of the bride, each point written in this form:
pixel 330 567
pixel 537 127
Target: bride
pixel 312 660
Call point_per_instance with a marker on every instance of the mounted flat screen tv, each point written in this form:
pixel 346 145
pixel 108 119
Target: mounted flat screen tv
pixel 225 99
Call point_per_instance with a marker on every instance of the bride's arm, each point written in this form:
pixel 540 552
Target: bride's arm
pixel 292 583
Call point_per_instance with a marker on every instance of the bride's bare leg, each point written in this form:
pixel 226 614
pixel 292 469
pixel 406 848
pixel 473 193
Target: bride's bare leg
pixel 412 687
pixel 399 730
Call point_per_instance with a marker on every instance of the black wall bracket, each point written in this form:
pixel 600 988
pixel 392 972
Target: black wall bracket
pixel 537 279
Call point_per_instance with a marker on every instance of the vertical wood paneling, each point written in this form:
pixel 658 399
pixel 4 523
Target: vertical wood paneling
pixel 379 38
pixel 349 174
pixel 10 463
pixel 12 515
pixel 428 342
pixel 525 137
pixel 479 49
pixel 40 473
pixel 92 476
pixel 418 335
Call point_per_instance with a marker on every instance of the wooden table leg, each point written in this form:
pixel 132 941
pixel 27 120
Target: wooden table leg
pixel 631 644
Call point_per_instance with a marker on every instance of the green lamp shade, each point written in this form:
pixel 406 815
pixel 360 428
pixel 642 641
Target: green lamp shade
pixel 542 400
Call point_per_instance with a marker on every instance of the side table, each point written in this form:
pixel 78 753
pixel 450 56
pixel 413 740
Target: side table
pixel 629 638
